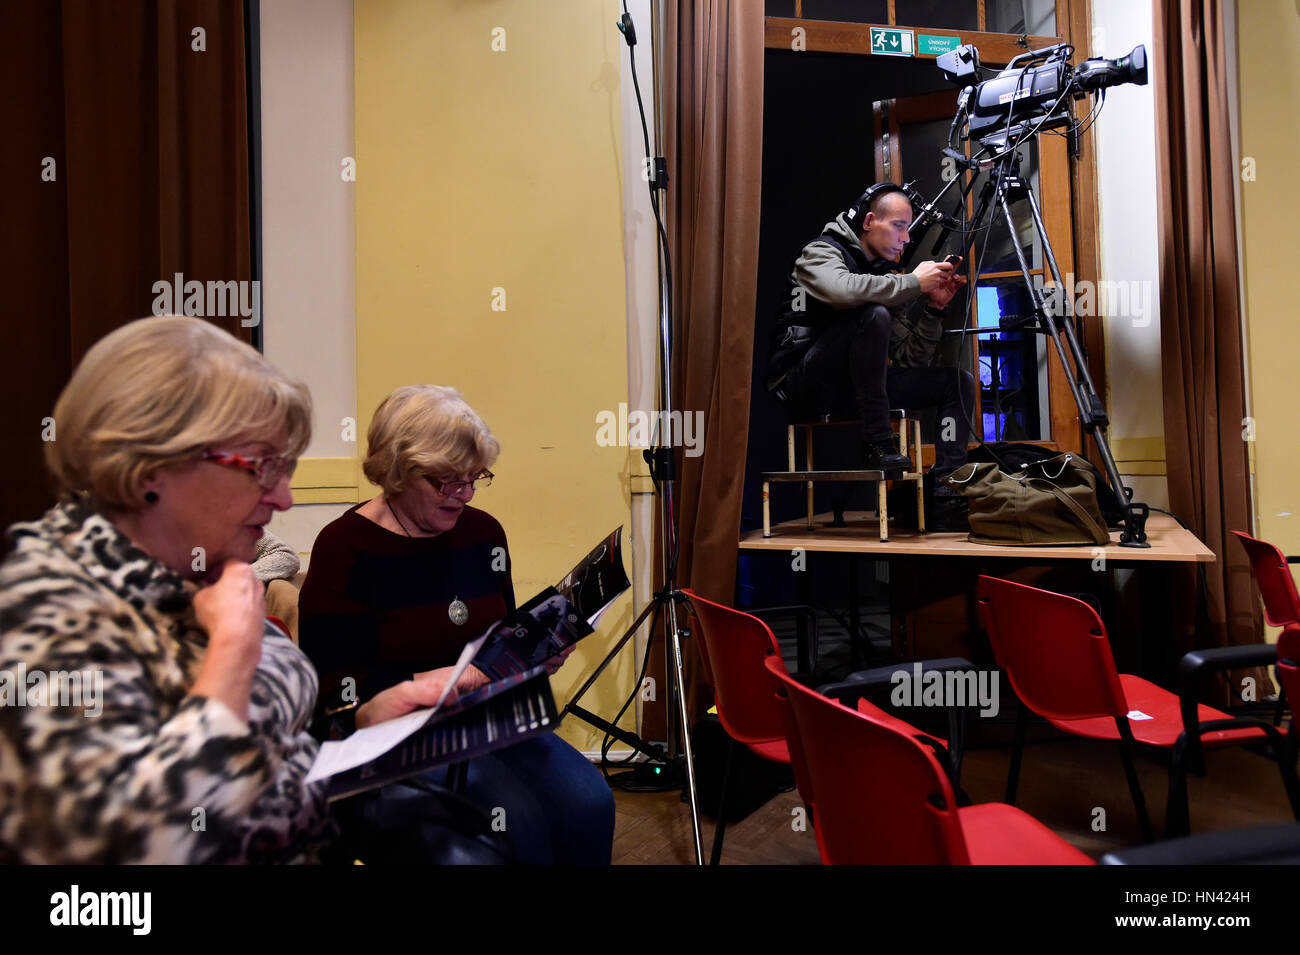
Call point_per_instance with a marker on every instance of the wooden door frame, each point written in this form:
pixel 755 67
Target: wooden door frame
pixel 1069 214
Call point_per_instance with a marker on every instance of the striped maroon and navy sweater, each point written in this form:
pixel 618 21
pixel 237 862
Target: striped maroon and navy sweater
pixel 375 604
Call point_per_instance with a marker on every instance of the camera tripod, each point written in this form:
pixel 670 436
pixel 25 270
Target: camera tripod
pixel 1004 187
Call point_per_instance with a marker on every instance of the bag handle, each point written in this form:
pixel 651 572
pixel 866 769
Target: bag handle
pixel 1065 463
pixel 952 478
pixel 1084 517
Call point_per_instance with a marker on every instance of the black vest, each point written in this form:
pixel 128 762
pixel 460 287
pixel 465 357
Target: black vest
pixel 797 328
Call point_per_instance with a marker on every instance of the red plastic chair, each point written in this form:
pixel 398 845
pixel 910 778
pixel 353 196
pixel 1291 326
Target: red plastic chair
pixel 1288 674
pixel 1281 609
pixel 1056 654
pixel 1273 577
pixel 884 799
pixel 733 646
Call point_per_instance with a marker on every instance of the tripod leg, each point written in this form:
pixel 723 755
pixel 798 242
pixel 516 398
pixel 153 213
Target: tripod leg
pixel 650 610
pixel 675 647
pixel 1092 412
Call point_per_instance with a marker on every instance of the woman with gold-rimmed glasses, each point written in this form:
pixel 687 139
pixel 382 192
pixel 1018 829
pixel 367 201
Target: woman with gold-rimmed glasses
pixel 398 585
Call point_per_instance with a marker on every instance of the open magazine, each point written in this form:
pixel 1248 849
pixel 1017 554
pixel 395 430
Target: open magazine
pixel 559 616
pixel 515 705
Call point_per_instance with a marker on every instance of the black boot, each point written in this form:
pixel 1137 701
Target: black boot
pixel 883 456
pixel 948 513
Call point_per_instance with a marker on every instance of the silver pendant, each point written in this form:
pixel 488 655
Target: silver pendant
pixel 458 612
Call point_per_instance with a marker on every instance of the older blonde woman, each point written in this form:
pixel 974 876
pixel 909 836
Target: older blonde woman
pixel 398 585
pixel 174 446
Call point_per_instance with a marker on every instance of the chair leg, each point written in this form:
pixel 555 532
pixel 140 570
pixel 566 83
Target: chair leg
pixel 882 509
pixel 956 741
pixel 1017 750
pixel 1286 764
pixel 767 509
pixel 1134 787
pixel 1178 810
pixel 920 505
pixel 720 830
pixel 808 460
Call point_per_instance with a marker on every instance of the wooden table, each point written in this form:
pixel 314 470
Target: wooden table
pixel 933 578
pixel 1169 542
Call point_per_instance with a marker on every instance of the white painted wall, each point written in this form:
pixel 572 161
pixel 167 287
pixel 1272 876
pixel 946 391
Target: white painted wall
pixel 1126 179
pixel 308 224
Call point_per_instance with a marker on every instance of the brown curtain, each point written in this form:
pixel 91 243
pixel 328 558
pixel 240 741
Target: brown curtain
pixel 1201 322
pixel 713 72
pixel 149 142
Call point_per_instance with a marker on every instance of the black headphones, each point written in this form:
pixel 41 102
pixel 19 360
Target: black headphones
pixel 858 211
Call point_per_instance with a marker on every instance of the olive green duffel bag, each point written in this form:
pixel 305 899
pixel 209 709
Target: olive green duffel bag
pixel 1048 502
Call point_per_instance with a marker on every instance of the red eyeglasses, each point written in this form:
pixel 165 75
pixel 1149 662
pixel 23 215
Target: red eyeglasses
pixel 267 470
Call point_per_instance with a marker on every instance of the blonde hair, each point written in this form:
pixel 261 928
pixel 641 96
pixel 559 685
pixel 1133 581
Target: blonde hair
pixel 157 392
pixel 426 430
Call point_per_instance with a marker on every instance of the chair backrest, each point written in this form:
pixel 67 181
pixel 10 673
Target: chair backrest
pixel 1288 664
pixel 1273 576
pixel 798 761
pixel 1053 649
pixel 733 646
pixel 882 797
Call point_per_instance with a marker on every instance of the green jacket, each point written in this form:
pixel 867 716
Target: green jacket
pixel 821 271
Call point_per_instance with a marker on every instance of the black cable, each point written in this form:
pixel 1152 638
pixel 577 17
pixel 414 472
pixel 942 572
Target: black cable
pixel 623 779
pixel 1092 116
pixel 672 543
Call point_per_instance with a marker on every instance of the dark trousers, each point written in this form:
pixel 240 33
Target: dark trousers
pixel 847 371
pixel 551 802
pixel 538 802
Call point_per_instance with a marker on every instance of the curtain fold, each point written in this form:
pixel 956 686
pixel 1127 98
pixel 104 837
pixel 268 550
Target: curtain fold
pixel 1201 323
pixel 712 63
pixel 126 162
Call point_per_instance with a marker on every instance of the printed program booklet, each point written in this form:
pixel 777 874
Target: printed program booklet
pixel 559 616
pixel 517 703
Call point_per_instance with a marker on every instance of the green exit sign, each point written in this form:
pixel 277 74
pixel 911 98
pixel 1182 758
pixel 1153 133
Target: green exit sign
pixel 936 45
pixel 888 42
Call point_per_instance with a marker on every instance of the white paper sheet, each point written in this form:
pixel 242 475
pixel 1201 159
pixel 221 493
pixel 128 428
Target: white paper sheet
pixel 337 756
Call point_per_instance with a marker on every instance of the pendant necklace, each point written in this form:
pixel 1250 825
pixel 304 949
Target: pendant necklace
pixel 456 610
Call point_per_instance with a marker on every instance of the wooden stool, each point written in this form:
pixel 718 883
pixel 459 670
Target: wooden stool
pixel 909 443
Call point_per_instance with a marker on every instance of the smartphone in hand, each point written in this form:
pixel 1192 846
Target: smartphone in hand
pixel 953 260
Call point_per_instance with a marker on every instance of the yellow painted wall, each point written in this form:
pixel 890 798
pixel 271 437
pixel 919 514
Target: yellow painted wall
pixel 1269 61
pixel 480 170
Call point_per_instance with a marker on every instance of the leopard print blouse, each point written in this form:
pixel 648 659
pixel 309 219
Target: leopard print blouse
pixel 140 771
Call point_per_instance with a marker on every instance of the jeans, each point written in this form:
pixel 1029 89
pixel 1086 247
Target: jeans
pixel 847 370
pixel 554 804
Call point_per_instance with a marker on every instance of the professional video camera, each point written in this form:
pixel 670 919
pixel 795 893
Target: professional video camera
pixel 1026 97
pixel 1034 94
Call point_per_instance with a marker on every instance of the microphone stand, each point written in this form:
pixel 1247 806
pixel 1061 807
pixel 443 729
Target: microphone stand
pixel 662 468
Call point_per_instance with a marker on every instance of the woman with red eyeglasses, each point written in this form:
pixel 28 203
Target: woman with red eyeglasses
pixel 398 585
pixel 169 723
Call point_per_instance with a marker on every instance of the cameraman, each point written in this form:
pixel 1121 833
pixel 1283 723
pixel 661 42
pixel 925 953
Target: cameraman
pixel 850 335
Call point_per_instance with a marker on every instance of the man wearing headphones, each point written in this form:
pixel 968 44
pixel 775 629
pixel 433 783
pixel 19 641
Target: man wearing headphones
pixel 853 335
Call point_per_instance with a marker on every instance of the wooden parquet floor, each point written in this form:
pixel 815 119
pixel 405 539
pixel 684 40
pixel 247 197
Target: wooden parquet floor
pixel 1063 784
